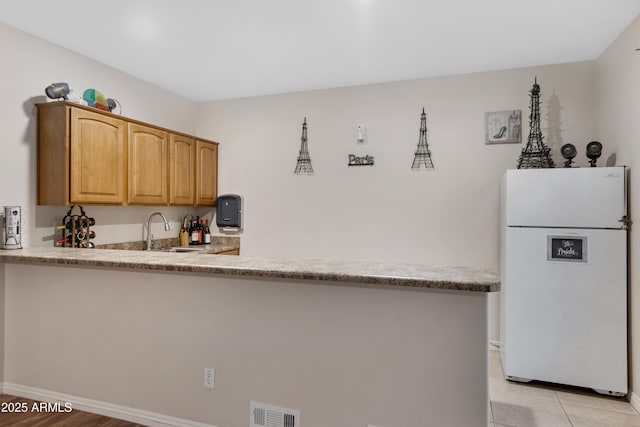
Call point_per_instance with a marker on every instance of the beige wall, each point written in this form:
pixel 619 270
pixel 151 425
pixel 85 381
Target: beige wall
pixel 618 121
pixel 29 65
pixel 344 356
pixel 388 212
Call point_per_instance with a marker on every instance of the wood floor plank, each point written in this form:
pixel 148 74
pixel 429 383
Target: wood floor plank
pixel 35 418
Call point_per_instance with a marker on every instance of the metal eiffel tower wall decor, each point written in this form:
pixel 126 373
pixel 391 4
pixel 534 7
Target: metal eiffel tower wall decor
pixel 423 154
pixel 304 161
pixel 535 154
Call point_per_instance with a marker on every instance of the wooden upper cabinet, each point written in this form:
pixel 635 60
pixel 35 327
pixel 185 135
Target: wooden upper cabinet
pixel 148 148
pixel 53 155
pixel 206 173
pixel 97 158
pixel 182 173
pixel 88 156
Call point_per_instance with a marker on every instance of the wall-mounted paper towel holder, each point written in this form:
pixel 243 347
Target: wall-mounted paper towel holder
pixel 229 211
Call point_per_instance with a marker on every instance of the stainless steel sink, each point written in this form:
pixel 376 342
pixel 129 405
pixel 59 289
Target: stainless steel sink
pixel 179 249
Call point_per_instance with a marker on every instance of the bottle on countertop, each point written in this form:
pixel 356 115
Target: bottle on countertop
pixel 200 233
pixel 193 231
pixel 184 236
pixel 207 232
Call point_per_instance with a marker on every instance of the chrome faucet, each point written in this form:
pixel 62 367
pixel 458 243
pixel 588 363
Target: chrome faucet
pixel 149 236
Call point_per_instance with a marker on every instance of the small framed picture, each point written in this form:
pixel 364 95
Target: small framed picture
pixel 567 248
pixel 503 127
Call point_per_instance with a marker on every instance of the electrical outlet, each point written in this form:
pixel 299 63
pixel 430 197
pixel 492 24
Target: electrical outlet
pixel 209 377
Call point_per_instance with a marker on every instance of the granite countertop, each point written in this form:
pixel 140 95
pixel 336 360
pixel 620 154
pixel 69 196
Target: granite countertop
pixel 348 273
pixel 218 244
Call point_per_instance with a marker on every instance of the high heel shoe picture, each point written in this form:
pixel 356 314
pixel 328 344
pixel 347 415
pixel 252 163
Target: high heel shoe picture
pixel 500 134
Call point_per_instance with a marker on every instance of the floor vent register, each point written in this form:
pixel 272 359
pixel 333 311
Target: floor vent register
pixel 263 415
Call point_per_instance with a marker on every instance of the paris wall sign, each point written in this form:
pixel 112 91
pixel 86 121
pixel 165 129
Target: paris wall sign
pixel 354 160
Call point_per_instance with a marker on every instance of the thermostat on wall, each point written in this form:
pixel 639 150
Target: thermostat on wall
pixel 229 211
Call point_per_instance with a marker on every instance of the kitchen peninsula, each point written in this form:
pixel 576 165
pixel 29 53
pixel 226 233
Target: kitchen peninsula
pixel 346 343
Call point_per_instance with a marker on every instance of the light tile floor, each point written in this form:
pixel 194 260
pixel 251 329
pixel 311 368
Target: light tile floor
pixel 547 405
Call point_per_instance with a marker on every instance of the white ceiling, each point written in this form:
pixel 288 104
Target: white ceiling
pixel 217 49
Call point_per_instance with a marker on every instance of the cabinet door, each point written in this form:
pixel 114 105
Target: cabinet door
pixel 97 164
pixel 206 173
pixel 231 252
pixel 182 174
pixel 147 165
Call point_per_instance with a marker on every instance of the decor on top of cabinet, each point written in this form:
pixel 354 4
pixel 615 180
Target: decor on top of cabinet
pixel 568 151
pixel 594 151
pixel 423 153
pixel 58 90
pixel 536 153
pixel 304 161
pixel 503 127
pixel 95 99
pixel 90 97
pixel 76 229
pixel 112 103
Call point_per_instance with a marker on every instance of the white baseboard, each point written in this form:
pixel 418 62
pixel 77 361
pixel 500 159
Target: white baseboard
pixel 635 401
pixel 133 415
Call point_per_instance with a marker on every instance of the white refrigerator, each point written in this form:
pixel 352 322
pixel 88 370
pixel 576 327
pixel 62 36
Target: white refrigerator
pixel 563 300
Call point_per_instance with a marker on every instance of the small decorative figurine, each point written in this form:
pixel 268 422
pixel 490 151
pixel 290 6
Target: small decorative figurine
pixel 568 151
pixel 594 151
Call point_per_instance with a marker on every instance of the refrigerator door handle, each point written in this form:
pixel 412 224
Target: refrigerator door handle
pixel 626 222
